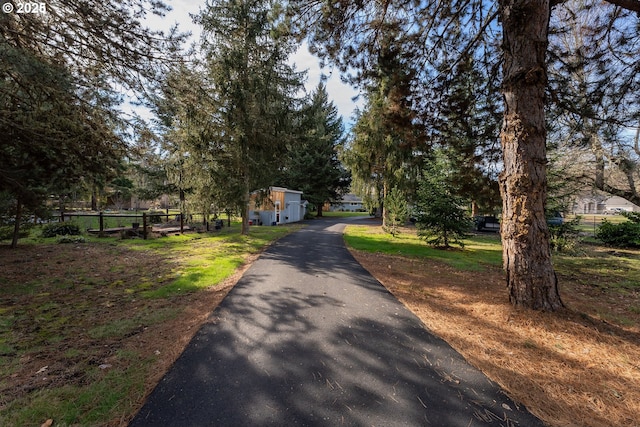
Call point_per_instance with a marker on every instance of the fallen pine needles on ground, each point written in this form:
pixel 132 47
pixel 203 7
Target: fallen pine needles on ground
pixel 576 367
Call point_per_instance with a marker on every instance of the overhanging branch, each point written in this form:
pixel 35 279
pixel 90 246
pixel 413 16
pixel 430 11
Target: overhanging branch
pixel 633 5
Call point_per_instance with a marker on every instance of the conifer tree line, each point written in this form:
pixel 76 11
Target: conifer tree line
pixel 511 94
pixel 230 119
pixel 233 121
pixel 62 74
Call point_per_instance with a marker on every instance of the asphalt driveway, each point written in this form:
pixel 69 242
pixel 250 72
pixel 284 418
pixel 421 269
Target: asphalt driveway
pixel 309 338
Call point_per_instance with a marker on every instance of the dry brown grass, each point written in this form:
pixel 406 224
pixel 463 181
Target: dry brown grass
pixel 569 368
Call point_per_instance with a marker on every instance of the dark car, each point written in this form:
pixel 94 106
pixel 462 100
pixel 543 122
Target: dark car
pixel 556 219
pixel 487 223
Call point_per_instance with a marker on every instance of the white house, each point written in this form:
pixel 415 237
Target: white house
pixel 616 203
pixel 349 203
pixel 600 204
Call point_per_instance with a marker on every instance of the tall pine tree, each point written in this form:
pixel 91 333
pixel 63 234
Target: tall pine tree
pixel 312 165
pixel 246 46
pixel 388 144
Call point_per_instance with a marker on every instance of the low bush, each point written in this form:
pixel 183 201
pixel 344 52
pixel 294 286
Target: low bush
pixel 71 239
pixel 623 235
pixel 6 231
pixel 565 237
pixel 397 211
pixel 60 229
pixel 156 217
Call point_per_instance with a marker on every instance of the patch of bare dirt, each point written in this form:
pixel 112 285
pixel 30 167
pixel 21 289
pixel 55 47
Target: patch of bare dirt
pixel 569 368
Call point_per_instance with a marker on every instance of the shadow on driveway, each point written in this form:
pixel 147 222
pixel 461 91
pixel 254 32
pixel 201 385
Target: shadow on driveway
pixel 309 338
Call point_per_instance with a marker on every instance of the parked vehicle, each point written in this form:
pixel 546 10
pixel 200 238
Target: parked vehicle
pixel 486 223
pixel 614 211
pixel 556 219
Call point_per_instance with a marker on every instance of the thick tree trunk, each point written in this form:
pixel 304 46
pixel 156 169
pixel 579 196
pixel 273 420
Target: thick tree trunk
pixel 319 211
pixel 531 280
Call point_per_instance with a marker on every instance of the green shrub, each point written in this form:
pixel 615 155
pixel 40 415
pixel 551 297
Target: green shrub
pixel 564 237
pixel 632 216
pixel 396 211
pixel 6 231
pixel 60 229
pixel 156 217
pixel 624 235
pixel 441 218
pixel 71 239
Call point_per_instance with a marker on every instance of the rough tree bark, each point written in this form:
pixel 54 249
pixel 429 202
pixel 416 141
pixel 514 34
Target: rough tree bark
pixel 531 280
pixel 245 220
pixel 16 225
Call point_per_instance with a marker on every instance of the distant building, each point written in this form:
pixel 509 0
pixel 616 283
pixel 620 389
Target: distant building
pixel 282 206
pixel 602 204
pixel 161 202
pixel 349 203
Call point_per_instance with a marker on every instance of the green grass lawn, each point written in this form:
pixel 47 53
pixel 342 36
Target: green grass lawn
pixel 208 258
pixel 479 251
pixel 593 265
pixel 602 267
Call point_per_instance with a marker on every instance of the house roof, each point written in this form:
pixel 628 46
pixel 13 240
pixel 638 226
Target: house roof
pixel 284 190
pixel 350 197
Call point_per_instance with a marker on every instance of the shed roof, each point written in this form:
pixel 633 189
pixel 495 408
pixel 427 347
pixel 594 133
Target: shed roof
pixel 285 190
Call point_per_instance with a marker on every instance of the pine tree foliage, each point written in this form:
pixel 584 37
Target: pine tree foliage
pixel 60 69
pixel 594 82
pixel 467 129
pixel 388 143
pixel 186 117
pixel 441 214
pixel 397 211
pixel 147 161
pixel 95 39
pixel 246 45
pixel 50 139
pixel 312 161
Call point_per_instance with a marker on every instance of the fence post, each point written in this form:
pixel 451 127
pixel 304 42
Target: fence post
pixel 101 234
pixel 144 225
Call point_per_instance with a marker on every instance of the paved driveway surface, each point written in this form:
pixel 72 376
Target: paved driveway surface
pixel 308 338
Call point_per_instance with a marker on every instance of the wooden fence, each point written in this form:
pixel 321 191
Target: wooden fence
pixel 147 219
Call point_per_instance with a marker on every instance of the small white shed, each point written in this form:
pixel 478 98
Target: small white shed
pixel 282 207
